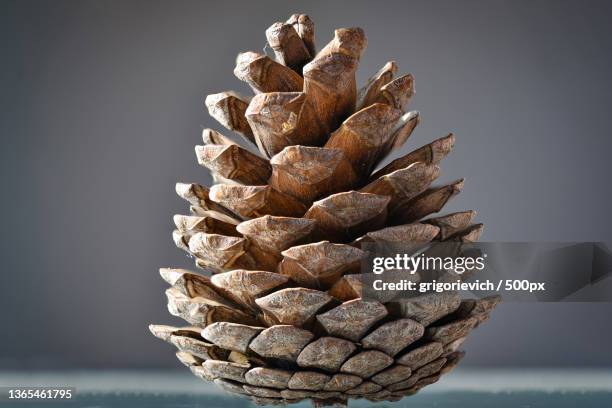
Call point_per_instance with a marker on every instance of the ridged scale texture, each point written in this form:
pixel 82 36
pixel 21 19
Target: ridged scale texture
pixel 279 317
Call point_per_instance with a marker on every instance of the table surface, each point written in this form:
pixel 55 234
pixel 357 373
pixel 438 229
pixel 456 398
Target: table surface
pixel 532 388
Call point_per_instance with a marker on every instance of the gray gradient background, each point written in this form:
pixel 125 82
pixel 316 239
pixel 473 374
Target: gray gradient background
pixel 102 103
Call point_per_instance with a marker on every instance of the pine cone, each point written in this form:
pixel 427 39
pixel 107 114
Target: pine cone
pixel 280 317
